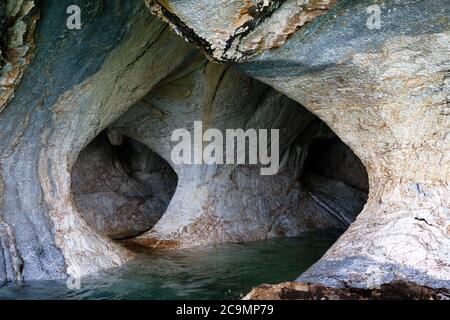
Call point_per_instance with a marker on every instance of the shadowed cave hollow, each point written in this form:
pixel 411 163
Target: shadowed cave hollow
pixel 122 188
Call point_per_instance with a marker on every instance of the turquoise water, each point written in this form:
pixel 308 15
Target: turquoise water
pixel 227 271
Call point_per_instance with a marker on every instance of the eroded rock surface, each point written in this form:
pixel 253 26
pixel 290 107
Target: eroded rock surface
pixel 18 20
pixel 70 94
pixel 237 30
pixel 217 203
pixel 122 189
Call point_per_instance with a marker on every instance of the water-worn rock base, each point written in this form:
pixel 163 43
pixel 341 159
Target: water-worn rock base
pixel 307 291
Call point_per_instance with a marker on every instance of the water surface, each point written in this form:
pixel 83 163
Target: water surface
pixel 227 271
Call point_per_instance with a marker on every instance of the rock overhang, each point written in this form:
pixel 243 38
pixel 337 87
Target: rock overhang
pixel 238 30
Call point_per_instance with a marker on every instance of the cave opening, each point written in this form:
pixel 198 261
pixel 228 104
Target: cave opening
pixel 120 186
pixel 334 179
pixel 125 190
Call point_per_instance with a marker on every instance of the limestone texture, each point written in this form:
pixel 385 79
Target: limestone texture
pixel 68 95
pixel 235 30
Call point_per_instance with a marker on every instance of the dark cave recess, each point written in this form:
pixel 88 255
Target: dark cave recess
pixel 122 190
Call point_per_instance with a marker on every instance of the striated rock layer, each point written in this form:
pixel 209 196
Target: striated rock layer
pixel 237 30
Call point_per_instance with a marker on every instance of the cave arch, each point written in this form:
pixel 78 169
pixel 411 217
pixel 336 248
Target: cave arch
pixel 121 187
pixel 234 203
pixel 54 115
